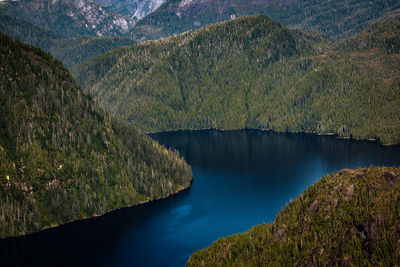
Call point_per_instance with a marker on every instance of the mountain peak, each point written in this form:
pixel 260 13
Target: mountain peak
pixel 253 72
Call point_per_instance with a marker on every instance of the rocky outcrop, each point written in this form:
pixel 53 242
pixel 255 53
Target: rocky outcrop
pixel 71 18
pixel 336 222
pixel 136 9
pixel 337 18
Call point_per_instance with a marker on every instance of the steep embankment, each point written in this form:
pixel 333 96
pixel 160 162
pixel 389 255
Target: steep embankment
pixel 71 51
pixel 253 72
pixel 61 157
pixel 336 18
pixel 69 18
pixel 348 218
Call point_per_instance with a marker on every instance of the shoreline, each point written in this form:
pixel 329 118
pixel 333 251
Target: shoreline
pixel 184 189
pixel 273 131
pixel 180 190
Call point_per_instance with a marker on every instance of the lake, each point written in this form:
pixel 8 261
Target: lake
pixel 241 179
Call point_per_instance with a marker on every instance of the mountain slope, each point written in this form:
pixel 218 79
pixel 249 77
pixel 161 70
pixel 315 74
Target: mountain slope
pixel 348 218
pixel 61 157
pixel 336 18
pixel 69 18
pixel 136 9
pixel 71 51
pixel 27 32
pixel 253 72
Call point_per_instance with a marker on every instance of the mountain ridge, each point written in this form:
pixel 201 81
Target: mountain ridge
pixel 71 51
pixel 271 78
pixel 70 18
pixel 137 9
pixel 338 18
pixel 348 218
pixel 61 157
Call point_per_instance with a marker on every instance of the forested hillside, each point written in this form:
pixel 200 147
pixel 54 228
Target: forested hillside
pixel 69 18
pixel 71 51
pixel 336 18
pixel 348 218
pixel 253 72
pixel 61 157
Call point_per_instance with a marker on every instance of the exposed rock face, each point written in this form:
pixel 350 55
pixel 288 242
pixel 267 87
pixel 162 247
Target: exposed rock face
pixel 225 8
pixel 314 206
pixel 71 17
pixel 147 7
pixel 336 18
pixel 179 16
pixel 136 9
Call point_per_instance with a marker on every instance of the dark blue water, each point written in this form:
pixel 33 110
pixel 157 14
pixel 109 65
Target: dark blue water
pixel 242 178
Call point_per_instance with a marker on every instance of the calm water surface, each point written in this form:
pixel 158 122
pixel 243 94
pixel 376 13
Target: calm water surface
pixel 242 178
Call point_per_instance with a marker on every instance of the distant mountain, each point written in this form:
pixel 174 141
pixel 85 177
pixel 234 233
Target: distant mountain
pixel 335 18
pixel 69 18
pixel 27 32
pixel 73 51
pixel 348 218
pixel 61 157
pixel 136 9
pixel 252 72
pixel 70 51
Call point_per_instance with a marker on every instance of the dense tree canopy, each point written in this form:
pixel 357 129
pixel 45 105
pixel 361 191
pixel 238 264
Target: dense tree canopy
pixel 347 218
pixel 61 157
pixel 71 51
pixel 252 72
pixel 335 18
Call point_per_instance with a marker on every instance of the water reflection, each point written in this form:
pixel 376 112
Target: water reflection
pixel 242 178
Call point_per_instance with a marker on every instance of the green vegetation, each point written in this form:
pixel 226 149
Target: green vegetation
pixel 61 157
pixel 71 51
pixel 27 32
pixel 348 218
pixel 69 18
pixel 253 72
pixel 335 18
